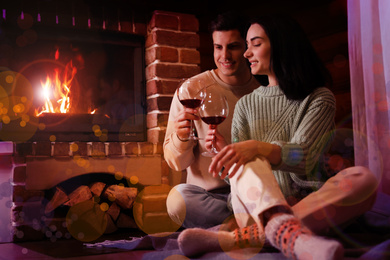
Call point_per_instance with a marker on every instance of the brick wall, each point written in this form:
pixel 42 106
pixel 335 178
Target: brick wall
pixel 171 55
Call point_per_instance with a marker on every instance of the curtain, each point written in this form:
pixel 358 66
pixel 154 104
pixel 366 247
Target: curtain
pixel 369 59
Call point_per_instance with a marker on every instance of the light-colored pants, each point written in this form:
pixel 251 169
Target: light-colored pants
pixel 254 190
pixel 345 196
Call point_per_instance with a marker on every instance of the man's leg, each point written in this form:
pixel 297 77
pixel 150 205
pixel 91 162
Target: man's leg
pixel 192 206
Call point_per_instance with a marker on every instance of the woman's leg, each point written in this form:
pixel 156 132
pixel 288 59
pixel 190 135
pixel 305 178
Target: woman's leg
pixel 254 192
pixel 256 196
pixel 347 195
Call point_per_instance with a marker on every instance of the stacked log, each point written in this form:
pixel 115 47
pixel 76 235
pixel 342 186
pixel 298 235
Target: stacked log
pixel 116 200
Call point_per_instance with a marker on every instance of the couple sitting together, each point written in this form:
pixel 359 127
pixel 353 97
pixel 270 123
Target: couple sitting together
pixel 269 175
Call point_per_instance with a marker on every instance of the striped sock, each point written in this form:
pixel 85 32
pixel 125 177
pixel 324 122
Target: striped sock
pixel 286 233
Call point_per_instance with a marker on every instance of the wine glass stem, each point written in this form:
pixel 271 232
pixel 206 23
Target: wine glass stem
pixel 192 134
pixel 213 149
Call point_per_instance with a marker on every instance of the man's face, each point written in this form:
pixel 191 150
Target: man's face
pixel 229 49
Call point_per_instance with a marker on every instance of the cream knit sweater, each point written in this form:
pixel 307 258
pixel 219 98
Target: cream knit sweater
pixel 303 130
pixel 187 155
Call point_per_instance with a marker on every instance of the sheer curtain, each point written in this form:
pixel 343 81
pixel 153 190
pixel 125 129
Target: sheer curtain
pixel 369 58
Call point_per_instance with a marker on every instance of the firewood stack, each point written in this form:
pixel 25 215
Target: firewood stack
pixel 116 200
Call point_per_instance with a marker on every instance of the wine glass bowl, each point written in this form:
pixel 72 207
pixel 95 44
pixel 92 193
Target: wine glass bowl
pixel 191 95
pixel 213 111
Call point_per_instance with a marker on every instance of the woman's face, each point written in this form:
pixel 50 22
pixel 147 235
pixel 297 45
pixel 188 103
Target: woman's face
pixel 259 50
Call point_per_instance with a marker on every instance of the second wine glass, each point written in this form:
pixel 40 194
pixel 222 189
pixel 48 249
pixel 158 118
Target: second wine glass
pixel 213 112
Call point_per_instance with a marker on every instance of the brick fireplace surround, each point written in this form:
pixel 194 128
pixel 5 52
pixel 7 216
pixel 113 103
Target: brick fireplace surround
pixel 28 168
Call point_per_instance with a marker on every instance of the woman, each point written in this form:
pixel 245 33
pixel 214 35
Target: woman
pixel 279 133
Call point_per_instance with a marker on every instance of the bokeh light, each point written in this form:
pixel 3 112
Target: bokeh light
pixel 153 224
pixel 134 180
pixel 118 175
pixel 86 221
pixel 74 147
pixel 15 103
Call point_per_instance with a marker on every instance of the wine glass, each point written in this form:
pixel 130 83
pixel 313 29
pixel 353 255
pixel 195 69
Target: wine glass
pixel 191 95
pixel 213 112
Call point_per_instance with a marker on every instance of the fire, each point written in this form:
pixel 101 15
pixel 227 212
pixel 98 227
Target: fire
pixel 56 90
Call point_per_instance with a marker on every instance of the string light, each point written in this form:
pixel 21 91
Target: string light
pixel 56 14
pixel 119 21
pixel 89 19
pixel 73 18
pixel 39 14
pixel 22 13
pixel 104 21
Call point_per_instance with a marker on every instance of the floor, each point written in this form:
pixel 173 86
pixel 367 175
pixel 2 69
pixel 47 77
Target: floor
pixel 66 249
pixel 76 250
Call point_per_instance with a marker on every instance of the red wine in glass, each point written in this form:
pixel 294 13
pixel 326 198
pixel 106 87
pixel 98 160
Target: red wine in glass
pixel 191 95
pixel 213 120
pixel 191 103
pixel 213 111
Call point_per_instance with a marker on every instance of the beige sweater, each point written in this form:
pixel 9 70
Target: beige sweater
pixel 303 129
pixel 187 155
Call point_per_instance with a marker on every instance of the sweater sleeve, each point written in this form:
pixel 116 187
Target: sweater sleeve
pixel 314 131
pixel 178 154
pixel 240 123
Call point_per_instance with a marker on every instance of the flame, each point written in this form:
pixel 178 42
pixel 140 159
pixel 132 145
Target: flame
pixel 56 92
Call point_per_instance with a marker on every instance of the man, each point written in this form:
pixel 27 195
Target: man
pixel 202 200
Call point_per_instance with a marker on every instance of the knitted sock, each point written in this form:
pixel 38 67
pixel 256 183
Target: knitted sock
pixel 286 233
pixel 196 241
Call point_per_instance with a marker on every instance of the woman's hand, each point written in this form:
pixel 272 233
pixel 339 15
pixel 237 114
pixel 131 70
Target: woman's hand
pixel 233 155
pixel 182 124
pixel 213 136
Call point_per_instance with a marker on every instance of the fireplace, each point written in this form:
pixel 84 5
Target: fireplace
pixel 66 83
pixel 40 152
